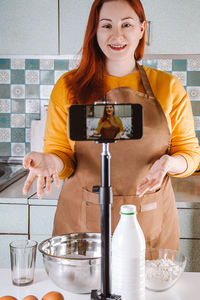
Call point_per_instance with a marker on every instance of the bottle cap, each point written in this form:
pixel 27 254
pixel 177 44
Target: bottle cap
pixel 128 210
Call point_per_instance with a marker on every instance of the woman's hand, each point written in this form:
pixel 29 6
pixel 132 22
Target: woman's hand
pixel 166 164
pixel 45 166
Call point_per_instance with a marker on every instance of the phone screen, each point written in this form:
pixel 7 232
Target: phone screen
pixel 105 122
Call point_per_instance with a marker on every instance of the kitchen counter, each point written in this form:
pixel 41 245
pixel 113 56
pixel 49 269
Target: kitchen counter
pixel 186 288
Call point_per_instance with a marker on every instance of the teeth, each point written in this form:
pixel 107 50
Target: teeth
pixel 116 46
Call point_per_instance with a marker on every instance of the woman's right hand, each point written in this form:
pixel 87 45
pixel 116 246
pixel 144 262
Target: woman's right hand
pixel 45 166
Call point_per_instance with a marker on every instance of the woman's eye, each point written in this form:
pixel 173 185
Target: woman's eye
pixel 107 26
pixel 126 25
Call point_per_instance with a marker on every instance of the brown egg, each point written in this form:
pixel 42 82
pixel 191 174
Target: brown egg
pixel 53 296
pixel 8 298
pixel 30 297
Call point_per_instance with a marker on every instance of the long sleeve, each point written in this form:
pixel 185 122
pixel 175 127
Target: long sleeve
pixel 56 138
pixel 183 138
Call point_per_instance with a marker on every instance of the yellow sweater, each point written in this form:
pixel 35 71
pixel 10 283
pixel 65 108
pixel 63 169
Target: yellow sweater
pixel 169 92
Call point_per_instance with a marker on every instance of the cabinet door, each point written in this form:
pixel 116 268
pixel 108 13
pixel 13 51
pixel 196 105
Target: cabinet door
pixel 174 26
pixel 41 220
pixel 13 218
pixel 189 220
pixel 73 19
pixel 190 248
pixel 29 27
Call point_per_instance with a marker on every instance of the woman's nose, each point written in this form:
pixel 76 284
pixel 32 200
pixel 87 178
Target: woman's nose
pixel 117 32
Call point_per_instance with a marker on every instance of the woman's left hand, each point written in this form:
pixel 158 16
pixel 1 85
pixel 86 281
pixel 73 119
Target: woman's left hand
pixel 166 164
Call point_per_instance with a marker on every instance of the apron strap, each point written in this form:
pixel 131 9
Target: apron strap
pixel 145 81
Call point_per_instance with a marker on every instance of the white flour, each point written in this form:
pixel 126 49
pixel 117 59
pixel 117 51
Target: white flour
pixel 161 273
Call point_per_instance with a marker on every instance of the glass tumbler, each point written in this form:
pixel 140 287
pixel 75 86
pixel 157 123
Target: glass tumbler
pixel 23 257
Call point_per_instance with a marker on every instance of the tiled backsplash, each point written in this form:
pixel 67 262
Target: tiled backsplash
pixel 26 85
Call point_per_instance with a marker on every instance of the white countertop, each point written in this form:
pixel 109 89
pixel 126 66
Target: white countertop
pixel 188 287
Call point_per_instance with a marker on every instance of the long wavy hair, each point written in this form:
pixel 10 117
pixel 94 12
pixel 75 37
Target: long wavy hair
pixel 86 82
pixel 105 115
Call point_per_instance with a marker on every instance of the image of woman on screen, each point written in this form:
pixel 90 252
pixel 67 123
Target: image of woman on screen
pixel 110 126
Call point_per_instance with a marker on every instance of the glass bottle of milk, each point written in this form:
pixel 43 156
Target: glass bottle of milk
pixel 128 256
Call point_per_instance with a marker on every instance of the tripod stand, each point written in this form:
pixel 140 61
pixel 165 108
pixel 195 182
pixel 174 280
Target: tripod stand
pixel 105 199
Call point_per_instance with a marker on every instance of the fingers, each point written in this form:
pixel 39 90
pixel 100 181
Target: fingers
pixel 27 161
pixel 40 186
pixel 56 180
pixel 48 184
pixel 148 185
pixel 31 177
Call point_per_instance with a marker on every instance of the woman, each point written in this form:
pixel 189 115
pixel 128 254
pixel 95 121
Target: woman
pixel 141 169
pixel 110 126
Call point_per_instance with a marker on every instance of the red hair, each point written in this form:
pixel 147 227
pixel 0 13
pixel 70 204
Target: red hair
pixel 87 81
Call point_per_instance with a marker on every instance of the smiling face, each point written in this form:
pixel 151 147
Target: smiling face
pixel 119 30
pixel 109 110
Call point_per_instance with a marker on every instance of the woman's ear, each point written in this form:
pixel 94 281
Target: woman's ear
pixel 142 28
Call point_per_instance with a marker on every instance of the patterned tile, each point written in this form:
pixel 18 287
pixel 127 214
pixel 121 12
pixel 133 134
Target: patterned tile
pixel 4 76
pixel 4 120
pixel 150 63
pixel 165 64
pixel 17 149
pixel 32 77
pixel 196 108
pixel 60 64
pixel 17 77
pixel 5 149
pixel 17 135
pixel 17 91
pixel 45 91
pixel 32 64
pixel 4 63
pixel 5 135
pixel 18 63
pixel 182 76
pixel 73 63
pixel 4 106
pixel 194 93
pixel 18 106
pixel 193 78
pixel 57 75
pixel 28 135
pixel 47 77
pixel 179 64
pixel 197 122
pixel 33 106
pixel 30 117
pixel 46 64
pixel 4 91
pixel 17 120
pixel 193 64
pixel 32 91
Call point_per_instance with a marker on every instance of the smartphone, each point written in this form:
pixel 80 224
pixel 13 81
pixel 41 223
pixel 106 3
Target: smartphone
pixel 105 122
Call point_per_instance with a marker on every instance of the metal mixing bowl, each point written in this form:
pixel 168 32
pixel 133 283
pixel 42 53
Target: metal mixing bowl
pixel 73 261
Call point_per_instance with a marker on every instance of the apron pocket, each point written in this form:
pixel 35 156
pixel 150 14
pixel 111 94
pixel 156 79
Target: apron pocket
pixel 149 212
pixel 90 211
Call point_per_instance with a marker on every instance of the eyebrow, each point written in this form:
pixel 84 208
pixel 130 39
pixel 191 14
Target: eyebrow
pixel 104 19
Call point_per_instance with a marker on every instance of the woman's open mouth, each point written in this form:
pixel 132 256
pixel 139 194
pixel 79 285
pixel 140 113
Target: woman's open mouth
pixel 117 47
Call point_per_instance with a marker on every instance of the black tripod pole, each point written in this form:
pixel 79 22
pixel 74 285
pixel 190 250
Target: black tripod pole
pixel 105 199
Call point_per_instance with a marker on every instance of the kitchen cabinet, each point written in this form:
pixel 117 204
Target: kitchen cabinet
pixel 190 234
pixel 29 27
pixel 73 20
pixel 174 26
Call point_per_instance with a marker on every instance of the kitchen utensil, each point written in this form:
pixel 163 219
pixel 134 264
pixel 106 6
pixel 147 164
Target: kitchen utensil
pixel 73 261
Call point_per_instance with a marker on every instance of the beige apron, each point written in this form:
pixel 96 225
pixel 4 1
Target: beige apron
pixel 78 208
